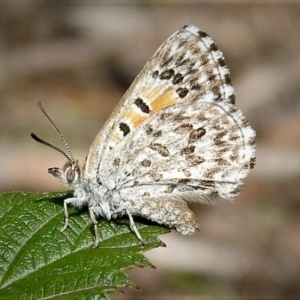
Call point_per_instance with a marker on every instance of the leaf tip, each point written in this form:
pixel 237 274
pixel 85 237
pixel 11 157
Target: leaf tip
pixel 162 244
pixel 141 266
pixel 137 288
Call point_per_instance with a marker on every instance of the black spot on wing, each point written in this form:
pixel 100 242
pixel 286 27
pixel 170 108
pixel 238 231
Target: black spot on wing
pixel 142 105
pixel 182 92
pixel 161 149
pixel 177 78
pixel 195 135
pixel 124 128
pixel 166 74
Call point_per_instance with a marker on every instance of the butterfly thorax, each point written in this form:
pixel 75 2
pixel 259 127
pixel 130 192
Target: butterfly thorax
pixel 104 202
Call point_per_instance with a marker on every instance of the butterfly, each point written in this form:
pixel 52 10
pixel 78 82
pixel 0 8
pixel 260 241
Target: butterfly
pixel 175 137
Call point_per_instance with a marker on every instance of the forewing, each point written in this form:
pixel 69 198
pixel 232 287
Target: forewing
pixel 189 151
pixel 185 67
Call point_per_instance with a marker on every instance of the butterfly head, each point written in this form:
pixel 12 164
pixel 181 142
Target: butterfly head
pixel 69 174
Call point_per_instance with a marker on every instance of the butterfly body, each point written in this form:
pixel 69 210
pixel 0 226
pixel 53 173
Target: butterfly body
pixel 175 137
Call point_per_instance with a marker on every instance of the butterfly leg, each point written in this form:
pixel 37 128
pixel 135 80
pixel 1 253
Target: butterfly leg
pixel 95 222
pixel 77 202
pixel 134 228
pixel 66 216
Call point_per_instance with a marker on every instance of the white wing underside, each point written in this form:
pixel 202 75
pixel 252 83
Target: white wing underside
pixel 176 132
pixel 191 159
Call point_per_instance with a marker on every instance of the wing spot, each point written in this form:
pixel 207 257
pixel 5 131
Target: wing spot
pixel 162 150
pixel 233 157
pixel 195 85
pixel 211 77
pixel 201 117
pixel 204 59
pixel 166 60
pixel 252 162
pixel 180 62
pixel 184 181
pixel 221 62
pixel 233 137
pixel 170 189
pixel 124 128
pixel 157 133
pixel 202 34
pixel 180 118
pixel 213 47
pixel 231 99
pixel 182 92
pixel 227 79
pixel 156 176
pixel 188 150
pixel 192 71
pixel 165 115
pixel 207 183
pixel 155 74
pixel 116 162
pixel 194 160
pixel 251 141
pixel 148 130
pixel 142 105
pixel 184 128
pixel 222 162
pixel 187 172
pixel 177 78
pixel 197 134
pixel 145 163
pixel 167 74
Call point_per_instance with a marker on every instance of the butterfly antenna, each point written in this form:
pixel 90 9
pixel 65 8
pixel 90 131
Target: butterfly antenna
pixel 36 138
pixel 70 157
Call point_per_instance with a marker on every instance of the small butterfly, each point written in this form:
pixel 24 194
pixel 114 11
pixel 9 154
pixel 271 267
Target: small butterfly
pixel 175 137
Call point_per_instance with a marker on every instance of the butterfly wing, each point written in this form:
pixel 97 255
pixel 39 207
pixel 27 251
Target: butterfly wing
pixel 189 151
pixel 175 137
pixel 187 66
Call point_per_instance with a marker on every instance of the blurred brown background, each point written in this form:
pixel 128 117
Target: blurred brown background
pixel 78 59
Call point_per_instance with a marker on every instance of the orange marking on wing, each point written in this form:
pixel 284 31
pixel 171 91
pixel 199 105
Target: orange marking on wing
pixel 164 100
pixel 158 99
pixel 134 118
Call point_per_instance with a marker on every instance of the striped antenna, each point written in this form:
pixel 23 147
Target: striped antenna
pixel 70 157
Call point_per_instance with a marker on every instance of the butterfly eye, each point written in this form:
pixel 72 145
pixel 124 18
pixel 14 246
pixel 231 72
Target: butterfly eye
pixel 70 175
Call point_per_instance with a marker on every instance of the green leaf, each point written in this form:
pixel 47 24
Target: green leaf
pixel 37 261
